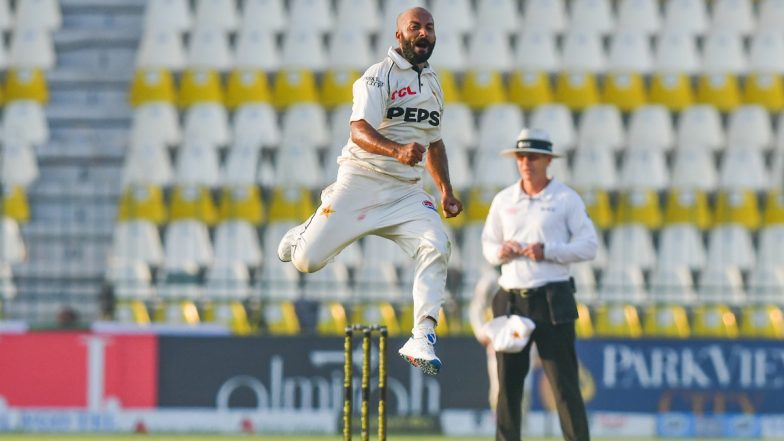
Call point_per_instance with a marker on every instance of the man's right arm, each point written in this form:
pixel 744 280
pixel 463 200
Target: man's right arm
pixel 368 138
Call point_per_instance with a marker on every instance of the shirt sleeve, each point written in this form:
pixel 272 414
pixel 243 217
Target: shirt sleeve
pixel 582 244
pixel 492 234
pixel 370 97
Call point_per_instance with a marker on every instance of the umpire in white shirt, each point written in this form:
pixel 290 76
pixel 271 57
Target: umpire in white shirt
pixel 535 228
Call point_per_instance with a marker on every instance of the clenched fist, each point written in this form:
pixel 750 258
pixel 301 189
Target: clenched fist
pixel 410 154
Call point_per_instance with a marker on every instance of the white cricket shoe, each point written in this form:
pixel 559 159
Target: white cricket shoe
pixel 420 352
pixel 284 247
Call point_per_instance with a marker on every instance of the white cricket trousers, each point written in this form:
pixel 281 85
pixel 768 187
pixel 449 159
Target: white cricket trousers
pixel 362 202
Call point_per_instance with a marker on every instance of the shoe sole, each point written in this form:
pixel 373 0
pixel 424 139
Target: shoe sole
pixel 430 367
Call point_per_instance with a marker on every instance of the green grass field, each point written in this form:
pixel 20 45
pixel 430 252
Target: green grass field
pixel 198 437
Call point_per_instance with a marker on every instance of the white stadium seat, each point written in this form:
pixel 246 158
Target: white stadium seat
pixel 311 15
pixel 38 14
pixel 593 16
pixel 689 16
pixel 650 126
pixel 639 16
pixel 733 15
pixel 197 164
pixel 256 49
pixel 137 240
pixel 362 15
pixel 207 122
pixel 174 15
pixel 26 120
pixel 216 15
pixel 453 17
pixel 31 48
pixel 161 49
pixel 556 119
pixel 156 120
pixel 497 15
pixel 19 164
pixel 240 166
pixel 256 124
pixel 547 15
pixel 209 49
pixel 267 16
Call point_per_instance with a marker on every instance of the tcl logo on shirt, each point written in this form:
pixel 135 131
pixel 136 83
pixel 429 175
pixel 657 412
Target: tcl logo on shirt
pixel 400 93
pixel 413 114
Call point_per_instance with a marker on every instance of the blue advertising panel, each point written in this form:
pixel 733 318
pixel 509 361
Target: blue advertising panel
pixel 660 376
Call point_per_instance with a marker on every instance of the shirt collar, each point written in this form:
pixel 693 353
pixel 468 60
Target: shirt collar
pixel 401 62
pixel 520 194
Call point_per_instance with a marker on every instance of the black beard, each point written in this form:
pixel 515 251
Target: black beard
pixel 407 48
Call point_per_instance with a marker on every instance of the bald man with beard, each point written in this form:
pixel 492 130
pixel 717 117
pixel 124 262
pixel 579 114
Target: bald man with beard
pixel 395 136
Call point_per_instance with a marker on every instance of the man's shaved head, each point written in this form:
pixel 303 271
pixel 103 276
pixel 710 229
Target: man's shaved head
pixel 416 35
pixel 417 12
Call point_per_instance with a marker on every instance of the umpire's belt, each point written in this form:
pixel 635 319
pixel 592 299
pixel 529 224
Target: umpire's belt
pixel 528 292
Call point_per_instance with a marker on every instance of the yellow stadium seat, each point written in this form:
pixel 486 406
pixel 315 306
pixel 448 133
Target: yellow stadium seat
pixel 134 310
pixel 597 204
pixel 739 207
pixel 640 207
pixel 294 86
pixel 200 85
pixel 764 89
pixel 577 90
pixel 718 90
pixel 26 84
pixel 290 204
pixel 774 208
pixel 151 85
pixel 337 87
pixel 617 320
pixel 382 313
pixel 714 320
pixel 530 89
pixel 229 313
pixel 331 319
pixel 477 205
pixel 191 202
pixel 242 203
pixel 671 90
pixel 584 324
pixel 15 203
pixel 178 311
pixel 449 86
pixel 688 206
pixel 281 318
pixel 483 88
pixel 247 86
pixel 624 90
pixel 766 321
pixel 142 202
pixel 667 321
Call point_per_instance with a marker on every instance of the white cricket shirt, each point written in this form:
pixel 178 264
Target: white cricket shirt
pixel 403 105
pixel 556 217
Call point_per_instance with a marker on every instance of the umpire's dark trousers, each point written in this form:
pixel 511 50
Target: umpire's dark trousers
pixel 555 343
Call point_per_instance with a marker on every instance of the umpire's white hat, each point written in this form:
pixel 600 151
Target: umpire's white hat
pixel 532 141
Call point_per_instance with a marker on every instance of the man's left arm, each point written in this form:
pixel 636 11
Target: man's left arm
pixel 438 167
pixel 582 244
